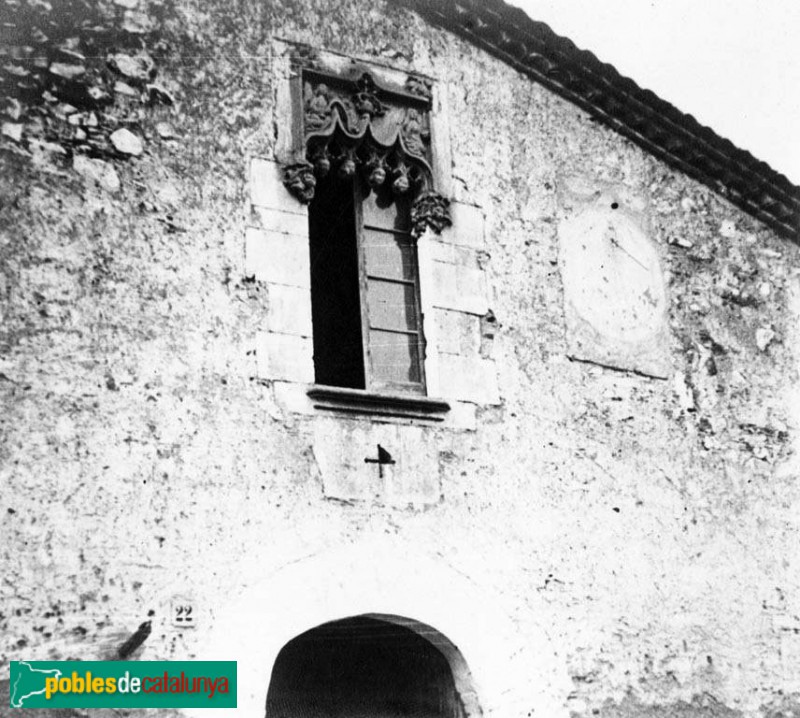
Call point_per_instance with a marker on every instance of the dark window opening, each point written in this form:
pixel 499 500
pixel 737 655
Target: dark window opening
pixel 362 668
pixel 335 294
pixel 366 313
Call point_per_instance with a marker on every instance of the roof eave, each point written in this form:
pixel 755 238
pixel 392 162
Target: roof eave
pixel 676 138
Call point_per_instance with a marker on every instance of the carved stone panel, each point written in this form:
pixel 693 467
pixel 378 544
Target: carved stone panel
pixel 351 119
pixel 357 106
pixel 364 461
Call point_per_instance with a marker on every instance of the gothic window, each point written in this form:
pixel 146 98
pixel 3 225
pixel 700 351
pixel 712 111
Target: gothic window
pixel 362 162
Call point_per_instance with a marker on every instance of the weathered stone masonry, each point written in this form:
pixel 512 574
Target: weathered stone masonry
pixel 630 540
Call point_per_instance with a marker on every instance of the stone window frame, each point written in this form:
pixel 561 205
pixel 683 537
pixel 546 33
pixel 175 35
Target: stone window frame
pixel 430 211
pixel 456 291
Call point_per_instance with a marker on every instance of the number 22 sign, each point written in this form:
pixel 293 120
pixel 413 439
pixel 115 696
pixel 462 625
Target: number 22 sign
pixel 183 614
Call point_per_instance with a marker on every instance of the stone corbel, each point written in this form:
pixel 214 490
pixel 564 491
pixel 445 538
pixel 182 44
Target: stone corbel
pixel 299 179
pixel 430 211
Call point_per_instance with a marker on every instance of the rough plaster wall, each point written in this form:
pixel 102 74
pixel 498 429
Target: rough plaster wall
pixel 650 525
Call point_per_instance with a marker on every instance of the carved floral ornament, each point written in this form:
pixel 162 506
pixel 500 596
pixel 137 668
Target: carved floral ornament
pixel 353 126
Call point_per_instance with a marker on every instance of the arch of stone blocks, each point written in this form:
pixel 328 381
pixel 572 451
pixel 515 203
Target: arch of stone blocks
pixel 499 671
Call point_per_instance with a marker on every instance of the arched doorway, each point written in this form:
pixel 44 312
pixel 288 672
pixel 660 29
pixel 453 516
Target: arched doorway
pixel 513 669
pixel 370 666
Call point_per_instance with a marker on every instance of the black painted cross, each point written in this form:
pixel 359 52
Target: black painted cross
pixel 384 459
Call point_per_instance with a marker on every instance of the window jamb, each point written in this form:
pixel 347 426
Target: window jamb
pixel 363 285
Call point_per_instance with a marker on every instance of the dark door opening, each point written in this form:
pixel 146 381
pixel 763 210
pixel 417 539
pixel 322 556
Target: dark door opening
pixel 362 668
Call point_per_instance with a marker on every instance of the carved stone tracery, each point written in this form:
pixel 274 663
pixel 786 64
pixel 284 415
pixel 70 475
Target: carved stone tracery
pixel 415 135
pixel 352 125
pixel 366 99
pixel 317 108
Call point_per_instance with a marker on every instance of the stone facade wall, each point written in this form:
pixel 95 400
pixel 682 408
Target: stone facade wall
pixel 648 526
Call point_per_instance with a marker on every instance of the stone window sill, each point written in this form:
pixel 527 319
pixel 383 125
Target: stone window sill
pixel 359 401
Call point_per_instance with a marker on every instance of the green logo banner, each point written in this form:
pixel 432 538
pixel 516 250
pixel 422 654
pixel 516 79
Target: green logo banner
pixel 123 684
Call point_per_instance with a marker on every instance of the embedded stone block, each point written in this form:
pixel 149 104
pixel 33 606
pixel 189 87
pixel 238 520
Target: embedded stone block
pixel 278 220
pixel 460 288
pixel 256 254
pixel 450 253
pixel 457 332
pixel 347 455
pixel 414 479
pixel 340 448
pixel 277 258
pixel 289 310
pixel 468 228
pixel 284 356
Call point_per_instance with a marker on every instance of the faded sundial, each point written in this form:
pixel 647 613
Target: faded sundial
pixel 614 289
